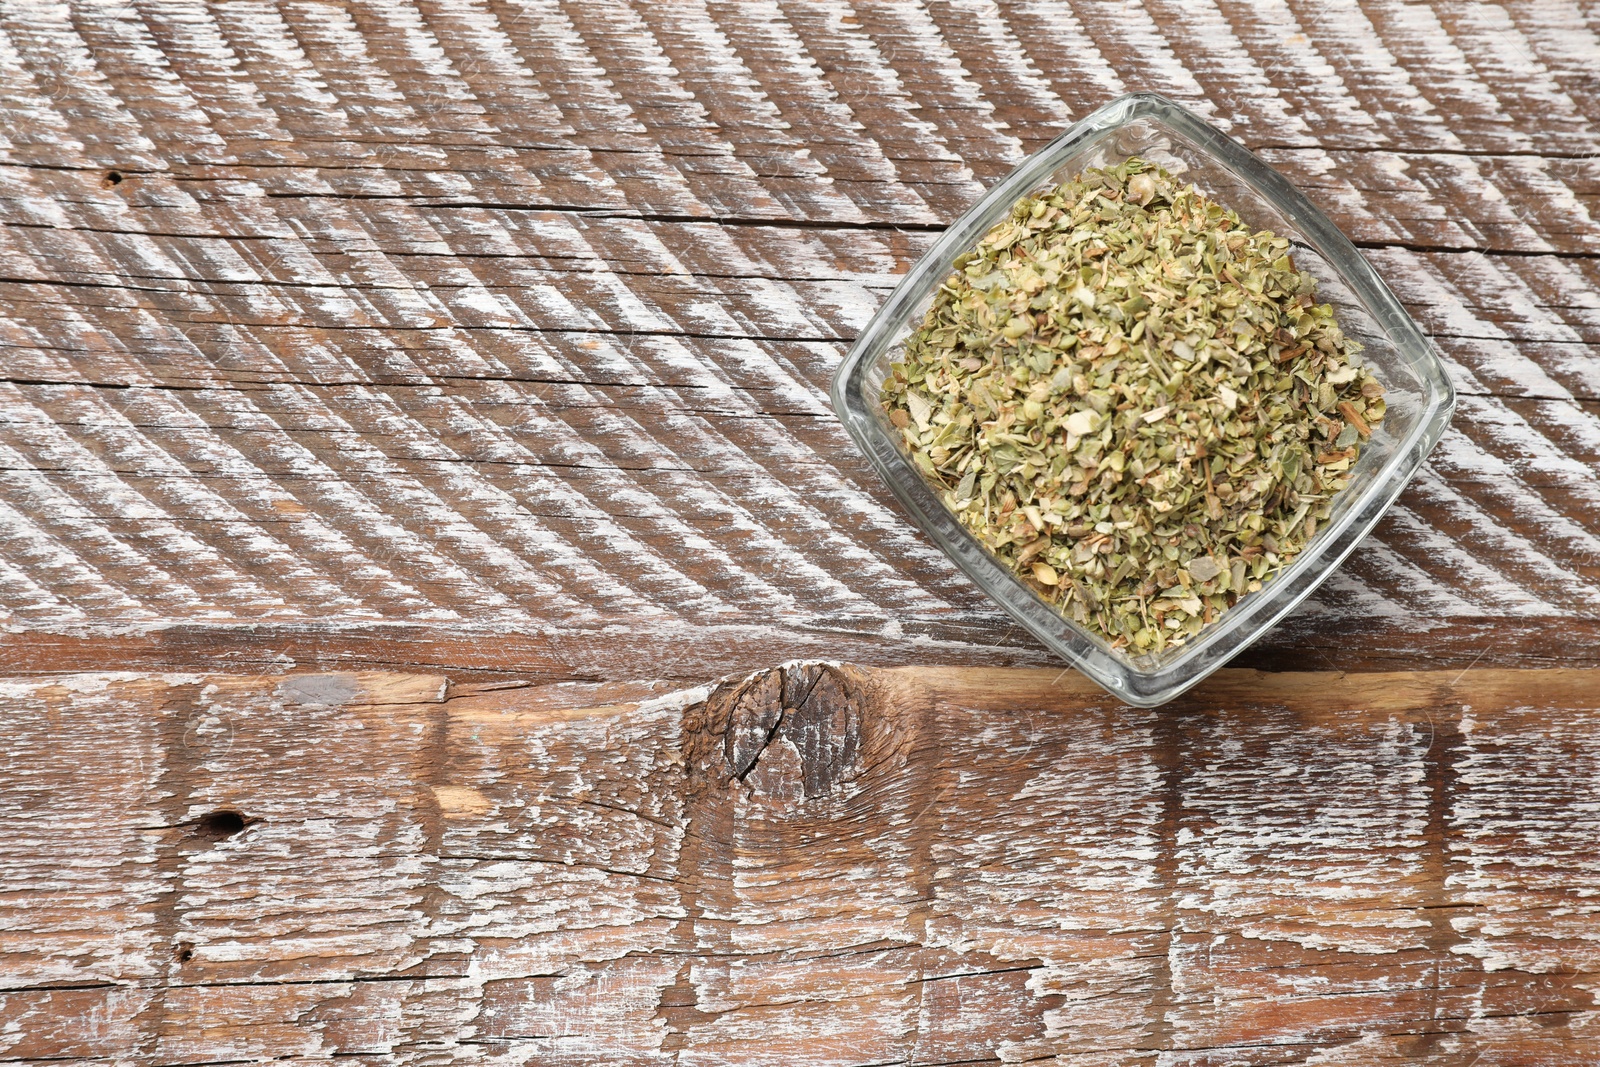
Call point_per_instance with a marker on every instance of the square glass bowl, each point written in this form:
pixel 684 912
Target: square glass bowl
pixel 1418 393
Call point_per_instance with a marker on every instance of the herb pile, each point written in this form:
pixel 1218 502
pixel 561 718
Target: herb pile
pixel 1134 402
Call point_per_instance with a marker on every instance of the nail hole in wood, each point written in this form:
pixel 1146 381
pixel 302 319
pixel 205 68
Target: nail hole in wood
pixel 113 177
pixel 183 951
pixel 220 825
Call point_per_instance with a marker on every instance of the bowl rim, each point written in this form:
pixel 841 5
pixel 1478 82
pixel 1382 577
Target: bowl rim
pixel 1243 624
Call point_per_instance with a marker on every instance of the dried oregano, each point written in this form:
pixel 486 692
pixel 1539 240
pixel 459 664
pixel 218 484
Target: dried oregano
pixel 1134 402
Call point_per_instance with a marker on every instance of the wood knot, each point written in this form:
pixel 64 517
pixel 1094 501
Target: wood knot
pixel 791 732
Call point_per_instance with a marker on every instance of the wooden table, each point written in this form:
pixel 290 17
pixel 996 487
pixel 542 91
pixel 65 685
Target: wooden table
pixel 444 622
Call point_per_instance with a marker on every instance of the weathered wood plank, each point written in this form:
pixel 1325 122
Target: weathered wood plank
pixel 430 317
pixel 288 467
pixel 817 864
pixel 1371 643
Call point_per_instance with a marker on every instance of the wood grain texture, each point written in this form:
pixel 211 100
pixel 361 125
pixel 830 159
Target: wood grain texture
pixel 812 864
pixel 331 332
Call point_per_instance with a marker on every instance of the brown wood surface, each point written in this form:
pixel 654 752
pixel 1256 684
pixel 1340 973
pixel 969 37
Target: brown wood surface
pixel 363 328
pixel 811 865
pixel 476 352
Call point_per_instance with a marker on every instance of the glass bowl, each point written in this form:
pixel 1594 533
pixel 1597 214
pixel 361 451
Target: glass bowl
pixel 1418 394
